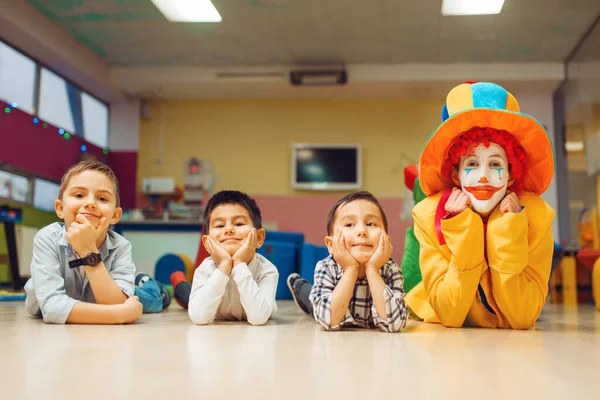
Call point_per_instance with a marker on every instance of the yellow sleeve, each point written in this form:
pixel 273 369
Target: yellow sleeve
pixel 451 277
pixel 520 248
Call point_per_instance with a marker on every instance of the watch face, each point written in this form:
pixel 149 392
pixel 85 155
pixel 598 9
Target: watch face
pixel 93 259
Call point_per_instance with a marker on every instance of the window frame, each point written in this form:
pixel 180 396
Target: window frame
pixel 79 88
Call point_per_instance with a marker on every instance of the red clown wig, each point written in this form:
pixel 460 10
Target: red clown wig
pixel 468 140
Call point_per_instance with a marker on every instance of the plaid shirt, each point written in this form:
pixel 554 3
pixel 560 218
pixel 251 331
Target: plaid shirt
pixel 361 309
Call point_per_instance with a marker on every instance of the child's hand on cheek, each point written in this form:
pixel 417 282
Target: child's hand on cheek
pixel 382 253
pixel 510 203
pixel 83 237
pixel 220 256
pixel 245 253
pixel 340 252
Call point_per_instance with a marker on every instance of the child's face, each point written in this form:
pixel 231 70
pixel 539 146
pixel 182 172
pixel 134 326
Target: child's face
pixel 92 194
pixel 484 177
pixel 230 224
pixel 361 224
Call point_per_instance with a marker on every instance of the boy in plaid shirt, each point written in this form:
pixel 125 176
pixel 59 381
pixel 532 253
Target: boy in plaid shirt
pixel 358 284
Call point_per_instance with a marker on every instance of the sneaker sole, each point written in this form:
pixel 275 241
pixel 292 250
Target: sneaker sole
pixel 289 285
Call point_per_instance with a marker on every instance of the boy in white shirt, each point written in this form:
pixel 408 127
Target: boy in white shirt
pixel 234 283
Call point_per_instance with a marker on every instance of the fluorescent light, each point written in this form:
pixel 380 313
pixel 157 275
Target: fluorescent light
pixel 471 7
pixel 188 10
pixel 574 146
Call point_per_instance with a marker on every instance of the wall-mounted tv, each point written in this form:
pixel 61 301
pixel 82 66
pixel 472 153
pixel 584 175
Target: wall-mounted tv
pixel 326 166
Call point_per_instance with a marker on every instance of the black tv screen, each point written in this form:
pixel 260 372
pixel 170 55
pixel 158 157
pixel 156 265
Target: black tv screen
pixel 326 166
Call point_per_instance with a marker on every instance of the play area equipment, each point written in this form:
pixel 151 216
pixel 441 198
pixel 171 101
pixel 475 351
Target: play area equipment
pixel 596 283
pixel 170 263
pixel 586 255
pixel 9 216
pixel 410 258
pixel 589 253
pixel 11 296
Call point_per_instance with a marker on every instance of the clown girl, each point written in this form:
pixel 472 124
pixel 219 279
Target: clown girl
pixel 485 233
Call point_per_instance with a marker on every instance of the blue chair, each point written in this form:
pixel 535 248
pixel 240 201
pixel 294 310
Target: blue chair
pixel 311 254
pixel 278 236
pixel 295 238
pixel 283 256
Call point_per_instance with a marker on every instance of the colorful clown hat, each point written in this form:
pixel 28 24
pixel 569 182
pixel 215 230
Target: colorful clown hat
pixel 486 105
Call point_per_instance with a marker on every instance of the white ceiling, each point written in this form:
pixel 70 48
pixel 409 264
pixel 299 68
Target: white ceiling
pixel 364 81
pixel 305 32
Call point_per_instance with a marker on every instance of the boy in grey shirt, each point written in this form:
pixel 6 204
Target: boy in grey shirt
pixel 81 271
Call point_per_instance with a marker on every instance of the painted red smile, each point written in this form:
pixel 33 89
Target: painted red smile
pixel 484 192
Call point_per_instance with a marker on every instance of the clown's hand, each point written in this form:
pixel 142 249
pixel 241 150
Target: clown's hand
pixel 457 202
pixel 510 203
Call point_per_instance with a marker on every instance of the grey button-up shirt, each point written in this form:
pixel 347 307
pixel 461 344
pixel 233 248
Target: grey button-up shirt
pixel 54 288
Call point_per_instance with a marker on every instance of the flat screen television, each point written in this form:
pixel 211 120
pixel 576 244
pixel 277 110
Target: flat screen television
pixel 326 166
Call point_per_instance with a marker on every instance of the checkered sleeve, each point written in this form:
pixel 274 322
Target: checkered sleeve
pixel 395 306
pixel 320 295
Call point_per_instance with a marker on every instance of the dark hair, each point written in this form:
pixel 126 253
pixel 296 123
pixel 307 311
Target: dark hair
pixel 233 197
pixel 83 166
pixel 349 198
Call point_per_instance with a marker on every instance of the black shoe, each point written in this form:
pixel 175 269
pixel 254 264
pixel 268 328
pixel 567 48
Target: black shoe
pixel 292 283
pixel 166 296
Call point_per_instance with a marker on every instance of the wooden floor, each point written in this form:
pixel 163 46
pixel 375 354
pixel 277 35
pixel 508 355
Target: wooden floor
pixel 165 356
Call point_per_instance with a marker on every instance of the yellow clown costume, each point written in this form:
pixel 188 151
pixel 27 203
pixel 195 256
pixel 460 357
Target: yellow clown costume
pixel 476 274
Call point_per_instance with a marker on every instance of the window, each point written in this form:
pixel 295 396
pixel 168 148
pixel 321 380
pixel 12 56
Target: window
pixel 44 194
pixel 95 120
pixel 14 187
pixel 59 102
pixel 17 78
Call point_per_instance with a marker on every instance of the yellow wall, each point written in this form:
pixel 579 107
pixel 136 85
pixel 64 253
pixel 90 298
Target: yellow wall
pixel 249 141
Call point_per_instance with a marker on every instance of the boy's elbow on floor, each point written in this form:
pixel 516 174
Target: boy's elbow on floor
pixel 326 326
pixel 200 318
pixel 257 321
pixel 397 328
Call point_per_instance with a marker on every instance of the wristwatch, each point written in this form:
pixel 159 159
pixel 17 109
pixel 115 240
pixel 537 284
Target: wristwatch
pixel 92 259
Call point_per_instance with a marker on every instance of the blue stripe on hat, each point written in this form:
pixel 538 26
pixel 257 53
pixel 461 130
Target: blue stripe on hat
pixel 445 114
pixel 489 95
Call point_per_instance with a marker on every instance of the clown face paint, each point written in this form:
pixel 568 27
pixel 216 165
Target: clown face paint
pixel 483 175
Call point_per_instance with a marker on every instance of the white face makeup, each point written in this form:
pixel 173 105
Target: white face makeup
pixel 484 177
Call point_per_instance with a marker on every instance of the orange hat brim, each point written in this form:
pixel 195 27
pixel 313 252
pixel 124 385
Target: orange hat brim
pixel 526 129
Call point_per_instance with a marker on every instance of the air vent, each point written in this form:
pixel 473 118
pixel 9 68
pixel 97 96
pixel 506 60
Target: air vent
pixel 318 78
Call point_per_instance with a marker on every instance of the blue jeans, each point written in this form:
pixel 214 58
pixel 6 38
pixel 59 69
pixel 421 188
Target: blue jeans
pixel 150 296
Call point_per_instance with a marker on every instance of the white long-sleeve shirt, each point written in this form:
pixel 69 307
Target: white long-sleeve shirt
pixel 248 294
